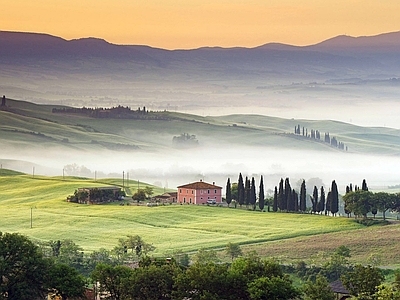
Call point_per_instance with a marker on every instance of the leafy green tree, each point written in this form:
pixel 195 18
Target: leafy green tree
pixel 72 255
pixel 140 195
pixel 261 196
pixel 65 281
pixel 337 265
pixel 204 281
pixel 149 191
pixel 363 280
pixel 272 288
pixel 384 202
pixel 233 250
pixel 359 202
pixel 113 281
pixel 23 268
pixel 152 282
pixel 137 245
pixel 204 256
pixel 228 192
pixel 318 289
pixel 386 292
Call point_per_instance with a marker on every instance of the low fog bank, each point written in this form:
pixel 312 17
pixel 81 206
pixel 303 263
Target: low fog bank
pixel 179 167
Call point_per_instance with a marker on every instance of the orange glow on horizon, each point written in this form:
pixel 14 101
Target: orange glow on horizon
pixel 188 24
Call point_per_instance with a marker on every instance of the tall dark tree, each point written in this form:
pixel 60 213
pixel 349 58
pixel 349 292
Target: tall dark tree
pixel 288 196
pixel 261 196
pixel 240 190
pixel 303 203
pixel 275 204
pixel 328 203
pixel 364 185
pixel 321 202
pixel 281 196
pixel 314 200
pixel 253 196
pixel 228 192
pixel 295 200
pixel 247 191
pixel 335 198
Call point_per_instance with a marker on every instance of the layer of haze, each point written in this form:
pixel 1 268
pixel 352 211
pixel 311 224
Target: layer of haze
pixel 175 24
pixel 173 168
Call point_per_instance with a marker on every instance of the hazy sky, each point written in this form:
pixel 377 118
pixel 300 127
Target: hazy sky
pixel 194 23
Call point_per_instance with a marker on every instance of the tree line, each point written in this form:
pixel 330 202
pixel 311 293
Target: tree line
pixel 285 197
pixel 30 271
pixel 316 135
pixel 361 202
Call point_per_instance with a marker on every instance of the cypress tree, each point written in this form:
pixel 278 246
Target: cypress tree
pixel 295 200
pixel 321 202
pixel 288 195
pixel 261 196
pixel 328 203
pixel 364 186
pixel 247 189
pixel 275 205
pixel 228 192
pixel 253 193
pixel 240 190
pixel 334 198
pixel 314 200
pixel 303 204
pixel 281 195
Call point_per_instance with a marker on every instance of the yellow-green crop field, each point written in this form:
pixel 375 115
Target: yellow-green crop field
pixel 41 202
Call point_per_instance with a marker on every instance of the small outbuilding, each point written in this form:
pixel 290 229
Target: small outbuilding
pixel 340 291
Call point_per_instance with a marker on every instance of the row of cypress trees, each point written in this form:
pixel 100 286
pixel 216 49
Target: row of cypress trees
pixel 285 197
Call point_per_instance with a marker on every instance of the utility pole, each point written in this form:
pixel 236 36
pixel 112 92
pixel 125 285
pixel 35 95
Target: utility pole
pixel 33 172
pixel 123 177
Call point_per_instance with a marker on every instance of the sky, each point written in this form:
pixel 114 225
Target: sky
pixel 188 24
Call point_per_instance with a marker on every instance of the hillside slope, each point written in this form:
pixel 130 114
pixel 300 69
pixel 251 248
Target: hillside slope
pixel 36 126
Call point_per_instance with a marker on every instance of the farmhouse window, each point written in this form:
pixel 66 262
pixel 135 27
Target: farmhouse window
pixel 192 191
pixel 215 191
pixel 208 191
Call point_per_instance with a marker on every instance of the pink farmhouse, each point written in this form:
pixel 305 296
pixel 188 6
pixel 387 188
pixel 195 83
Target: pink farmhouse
pixel 199 193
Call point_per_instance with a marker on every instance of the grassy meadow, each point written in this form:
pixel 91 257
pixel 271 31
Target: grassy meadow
pixel 177 227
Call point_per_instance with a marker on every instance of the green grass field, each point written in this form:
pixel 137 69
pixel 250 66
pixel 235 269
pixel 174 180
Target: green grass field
pixel 167 227
pixel 291 237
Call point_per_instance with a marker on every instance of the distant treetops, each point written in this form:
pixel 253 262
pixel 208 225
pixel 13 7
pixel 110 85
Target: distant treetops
pixel 316 135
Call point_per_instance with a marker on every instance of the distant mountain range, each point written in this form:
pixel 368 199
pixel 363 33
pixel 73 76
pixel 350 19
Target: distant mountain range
pixel 92 71
pixel 381 52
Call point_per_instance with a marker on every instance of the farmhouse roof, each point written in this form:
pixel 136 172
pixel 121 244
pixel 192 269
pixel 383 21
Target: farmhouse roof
pixel 337 287
pixel 200 185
